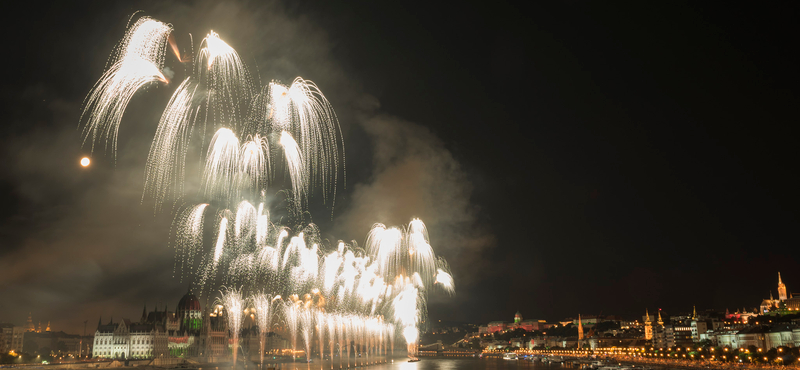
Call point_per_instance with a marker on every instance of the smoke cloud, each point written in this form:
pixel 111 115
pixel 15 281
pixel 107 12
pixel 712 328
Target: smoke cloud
pixel 80 243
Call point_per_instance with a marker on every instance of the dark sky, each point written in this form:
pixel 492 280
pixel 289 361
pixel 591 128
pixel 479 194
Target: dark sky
pixel 571 157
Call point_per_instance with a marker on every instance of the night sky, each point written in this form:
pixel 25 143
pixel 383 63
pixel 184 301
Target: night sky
pixel 567 158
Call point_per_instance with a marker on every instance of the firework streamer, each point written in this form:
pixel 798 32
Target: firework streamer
pixel 137 62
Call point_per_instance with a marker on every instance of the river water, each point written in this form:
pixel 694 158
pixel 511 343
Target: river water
pixel 432 363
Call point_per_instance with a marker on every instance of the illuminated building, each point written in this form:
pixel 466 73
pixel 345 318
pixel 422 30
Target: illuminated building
pixel 779 336
pixel 781 289
pixel 784 303
pixel 187 332
pixel 496 326
pixel 648 326
pixel 519 323
pixel 698 327
pixel 664 335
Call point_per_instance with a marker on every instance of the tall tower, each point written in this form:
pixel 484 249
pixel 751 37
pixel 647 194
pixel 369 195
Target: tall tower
pixel 781 289
pixel 694 313
pixel 580 328
pixel 660 322
pixel 648 326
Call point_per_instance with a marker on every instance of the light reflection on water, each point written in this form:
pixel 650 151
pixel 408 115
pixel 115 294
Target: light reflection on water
pixel 430 363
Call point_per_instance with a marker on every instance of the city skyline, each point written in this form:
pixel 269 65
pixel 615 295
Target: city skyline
pixel 565 157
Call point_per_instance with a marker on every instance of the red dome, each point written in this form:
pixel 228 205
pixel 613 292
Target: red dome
pixel 189 302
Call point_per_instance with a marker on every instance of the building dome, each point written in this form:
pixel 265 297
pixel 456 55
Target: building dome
pixel 189 302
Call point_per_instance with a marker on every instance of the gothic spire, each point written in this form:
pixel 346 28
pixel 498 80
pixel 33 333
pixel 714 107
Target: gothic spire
pixel 660 322
pixel 779 278
pixel 647 316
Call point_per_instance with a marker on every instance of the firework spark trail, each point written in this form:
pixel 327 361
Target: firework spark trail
pixel 291 317
pixel 221 167
pixel 234 305
pixel 306 318
pixel 226 78
pixel 165 163
pixel 294 161
pixel 189 238
pixel 317 125
pixel 262 303
pixel 137 62
pixel 255 164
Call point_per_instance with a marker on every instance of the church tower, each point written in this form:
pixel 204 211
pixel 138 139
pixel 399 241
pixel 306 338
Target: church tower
pixel 660 322
pixel 781 289
pixel 648 326
pixel 580 328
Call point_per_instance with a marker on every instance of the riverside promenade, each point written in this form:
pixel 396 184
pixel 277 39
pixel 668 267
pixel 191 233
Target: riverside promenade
pixel 684 364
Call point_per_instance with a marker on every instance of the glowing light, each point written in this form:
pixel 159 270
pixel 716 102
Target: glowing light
pixel 85 161
pixel 336 293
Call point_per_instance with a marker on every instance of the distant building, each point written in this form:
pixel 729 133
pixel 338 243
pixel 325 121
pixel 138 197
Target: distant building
pixel 496 326
pixel 664 335
pixel 12 338
pixel 49 342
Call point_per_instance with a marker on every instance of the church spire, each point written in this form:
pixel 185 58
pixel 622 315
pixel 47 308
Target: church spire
pixel 660 322
pixel 580 328
pixel 647 316
pixel 781 289
pixel 694 312
pixel 144 313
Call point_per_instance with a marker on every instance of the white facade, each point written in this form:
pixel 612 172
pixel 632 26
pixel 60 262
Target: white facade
pixel 124 340
pixel 775 339
pixel 103 345
pixel 698 327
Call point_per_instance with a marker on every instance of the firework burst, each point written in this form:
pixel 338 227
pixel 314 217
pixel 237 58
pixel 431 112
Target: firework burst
pixel 335 293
